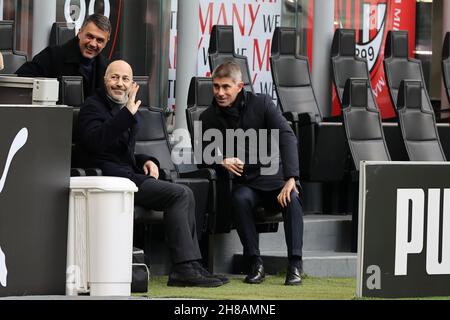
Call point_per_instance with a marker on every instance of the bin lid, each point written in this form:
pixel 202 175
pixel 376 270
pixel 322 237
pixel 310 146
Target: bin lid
pixel 103 183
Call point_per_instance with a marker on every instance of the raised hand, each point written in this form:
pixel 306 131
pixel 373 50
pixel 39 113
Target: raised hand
pixel 133 105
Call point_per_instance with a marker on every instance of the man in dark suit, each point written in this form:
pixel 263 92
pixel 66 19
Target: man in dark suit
pixel 254 184
pixel 80 56
pixel 107 125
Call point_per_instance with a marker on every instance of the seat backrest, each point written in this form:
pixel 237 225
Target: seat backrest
pixel 61 33
pixel 144 92
pixel 71 91
pixel 291 75
pixel 200 97
pixel 76 112
pixel 6 35
pixel 221 49
pixel 12 59
pixel 362 124
pixel 417 124
pixel 152 138
pixel 75 138
pixel 398 66
pixel 345 64
pixel 200 93
pixel 446 64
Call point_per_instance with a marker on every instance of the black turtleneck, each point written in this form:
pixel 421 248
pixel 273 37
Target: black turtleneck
pixel 87 66
pixel 114 105
pixel 232 113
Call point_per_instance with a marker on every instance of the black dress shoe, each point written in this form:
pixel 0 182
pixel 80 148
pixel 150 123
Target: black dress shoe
pixel 207 274
pixel 187 275
pixel 293 275
pixel 256 274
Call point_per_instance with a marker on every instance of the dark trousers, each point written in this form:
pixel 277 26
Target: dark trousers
pixel 177 202
pixel 246 199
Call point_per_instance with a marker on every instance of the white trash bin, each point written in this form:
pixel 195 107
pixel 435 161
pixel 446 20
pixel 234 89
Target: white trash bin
pixel 100 236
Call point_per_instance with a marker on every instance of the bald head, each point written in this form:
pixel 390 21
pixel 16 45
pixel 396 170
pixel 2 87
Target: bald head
pixel 118 80
pixel 119 65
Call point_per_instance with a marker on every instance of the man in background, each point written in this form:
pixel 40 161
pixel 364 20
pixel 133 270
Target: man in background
pixel 80 56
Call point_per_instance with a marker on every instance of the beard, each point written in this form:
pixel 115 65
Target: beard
pixel 119 100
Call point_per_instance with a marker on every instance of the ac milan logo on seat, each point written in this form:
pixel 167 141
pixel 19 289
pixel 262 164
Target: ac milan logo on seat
pixel 368 18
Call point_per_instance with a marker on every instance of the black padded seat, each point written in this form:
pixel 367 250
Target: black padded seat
pixel 345 64
pixel 61 33
pixel 318 137
pixel 144 92
pixel 200 97
pixel 399 66
pixel 221 49
pixel 362 124
pixel 153 140
pixel 12 59
pixel 365 137
pixel 418 125
pixel 71 91
pixel 291 75
pixel 71 94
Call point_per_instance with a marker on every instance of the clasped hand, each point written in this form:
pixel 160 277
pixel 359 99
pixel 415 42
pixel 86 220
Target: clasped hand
pixel 151 169
pixel 233 165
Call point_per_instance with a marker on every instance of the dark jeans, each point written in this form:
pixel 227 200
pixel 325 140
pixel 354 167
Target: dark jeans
pixel 246 199
pixel 177 202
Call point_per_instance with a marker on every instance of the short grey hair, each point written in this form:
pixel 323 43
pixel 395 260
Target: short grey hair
pixel 228 69
pixel 100 22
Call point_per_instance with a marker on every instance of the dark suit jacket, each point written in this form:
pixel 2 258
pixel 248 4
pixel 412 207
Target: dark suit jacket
pixel 65 60
pixel 259 112
pixel 107 137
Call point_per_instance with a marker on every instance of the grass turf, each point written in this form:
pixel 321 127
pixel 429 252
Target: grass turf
pixel 272 288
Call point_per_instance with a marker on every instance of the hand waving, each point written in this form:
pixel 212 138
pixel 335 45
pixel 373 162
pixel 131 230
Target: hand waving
pixel 133 105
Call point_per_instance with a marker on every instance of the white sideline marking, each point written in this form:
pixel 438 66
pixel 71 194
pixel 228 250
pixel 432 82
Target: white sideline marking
pixel 19 141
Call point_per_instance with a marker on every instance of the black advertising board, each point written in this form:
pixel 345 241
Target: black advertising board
pixel 35 151
pixel 404 230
